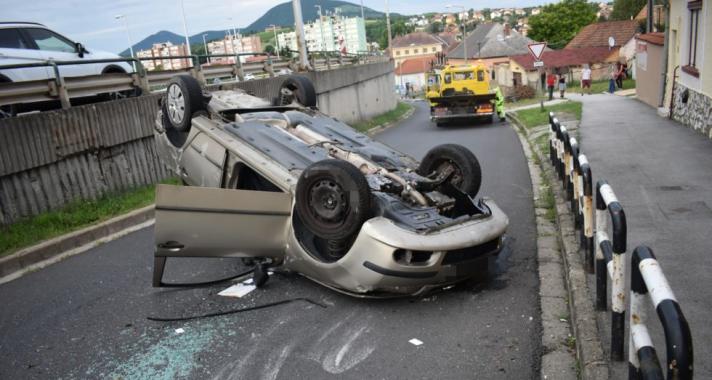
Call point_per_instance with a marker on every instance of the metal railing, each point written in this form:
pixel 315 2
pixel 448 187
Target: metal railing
pixel 64 88
pixel 647 278
pixel 574 171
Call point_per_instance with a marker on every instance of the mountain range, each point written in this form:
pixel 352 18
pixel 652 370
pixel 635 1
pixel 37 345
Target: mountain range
pixel 280 15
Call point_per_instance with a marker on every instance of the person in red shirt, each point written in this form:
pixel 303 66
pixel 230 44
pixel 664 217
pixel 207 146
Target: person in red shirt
pixel 550 83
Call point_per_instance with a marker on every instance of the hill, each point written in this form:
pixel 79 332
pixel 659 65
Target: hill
pixel 278 15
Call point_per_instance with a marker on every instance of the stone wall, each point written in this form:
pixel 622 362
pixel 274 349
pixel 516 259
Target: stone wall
pixel 696 113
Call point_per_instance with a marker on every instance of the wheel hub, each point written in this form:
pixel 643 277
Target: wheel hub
pixel 176 104
pixel 456 176
pixel 327 200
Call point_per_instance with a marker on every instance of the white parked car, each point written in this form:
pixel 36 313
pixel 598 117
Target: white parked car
pixel 27 42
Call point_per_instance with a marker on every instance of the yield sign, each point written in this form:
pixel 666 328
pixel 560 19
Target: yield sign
pixel 537 49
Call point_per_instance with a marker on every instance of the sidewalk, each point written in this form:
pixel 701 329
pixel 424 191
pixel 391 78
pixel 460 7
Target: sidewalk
pixel 661 173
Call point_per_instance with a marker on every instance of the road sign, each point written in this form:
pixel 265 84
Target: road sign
pixel 538 63
pixel 537 49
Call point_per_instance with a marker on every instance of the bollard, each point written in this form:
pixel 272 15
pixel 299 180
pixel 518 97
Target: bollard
pixel 552 137
pixel 613 265
pixel 646 275
pixel 562 146
pixel 587 211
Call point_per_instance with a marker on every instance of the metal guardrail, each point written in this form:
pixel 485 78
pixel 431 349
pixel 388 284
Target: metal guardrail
pixel 65 88
pixel 574 171
pixel 647 276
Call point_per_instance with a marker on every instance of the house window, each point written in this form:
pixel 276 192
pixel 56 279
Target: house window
pixel 415 51
pixel 433 49
pixel 407 51
pixel 397 52
pixel 694 8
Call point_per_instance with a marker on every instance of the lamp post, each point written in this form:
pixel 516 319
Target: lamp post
pixel 185 27
pixel 276 40
pixel 128 34
pixel 205 46
pixel 321 28
pixel 388 29
pixel 462 25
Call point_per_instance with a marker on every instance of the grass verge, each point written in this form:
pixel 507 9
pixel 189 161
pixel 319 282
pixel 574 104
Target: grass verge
pixel 533 117
pixel 383 118
pixel 74 216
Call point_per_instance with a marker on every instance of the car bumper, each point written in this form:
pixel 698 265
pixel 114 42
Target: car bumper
pixel 386 258
pixel 460 116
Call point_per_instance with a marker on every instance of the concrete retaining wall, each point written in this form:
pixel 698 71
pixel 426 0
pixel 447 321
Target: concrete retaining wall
pixel 52 158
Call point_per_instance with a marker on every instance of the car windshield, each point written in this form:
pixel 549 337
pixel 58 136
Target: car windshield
pixel 47 40
pixel 469 75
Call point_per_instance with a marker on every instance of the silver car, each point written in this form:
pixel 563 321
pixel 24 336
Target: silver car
pixel 282 185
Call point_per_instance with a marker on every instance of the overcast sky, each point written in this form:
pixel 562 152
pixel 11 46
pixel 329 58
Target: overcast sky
pixel 92 21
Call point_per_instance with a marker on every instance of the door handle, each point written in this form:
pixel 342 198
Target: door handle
pixel 171 246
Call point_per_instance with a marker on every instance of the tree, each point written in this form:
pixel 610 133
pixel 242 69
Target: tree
pixel 435 27
pixel 626 9
pixel 269 49
pixel 558 23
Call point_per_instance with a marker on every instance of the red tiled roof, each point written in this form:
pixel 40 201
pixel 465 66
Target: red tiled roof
pixel 567 57
pixel 415 65
pixel 657 38
pixel 596 35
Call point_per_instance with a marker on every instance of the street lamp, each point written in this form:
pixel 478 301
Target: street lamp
pixel 185 27
pixel 205 46
pixel 128 34
pixel 388 29
pixel 276 40
pixel 462 25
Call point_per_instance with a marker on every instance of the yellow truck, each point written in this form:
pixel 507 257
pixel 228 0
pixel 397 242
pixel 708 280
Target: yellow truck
pixel 462 92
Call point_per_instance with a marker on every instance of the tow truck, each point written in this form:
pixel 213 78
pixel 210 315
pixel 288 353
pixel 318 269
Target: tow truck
pixel 463 92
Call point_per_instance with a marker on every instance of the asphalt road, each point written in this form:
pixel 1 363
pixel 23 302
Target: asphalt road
pixel 86 316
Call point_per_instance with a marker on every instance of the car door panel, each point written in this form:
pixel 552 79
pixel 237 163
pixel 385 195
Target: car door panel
pixel 202 161
pixel 212 222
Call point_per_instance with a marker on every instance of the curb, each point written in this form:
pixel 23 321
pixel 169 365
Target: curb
pixel 591 362
pixel 382 127
pixel 53 250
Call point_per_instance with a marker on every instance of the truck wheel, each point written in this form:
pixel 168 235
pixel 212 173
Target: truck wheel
pixel 333 199
pixel 467 174
pixel 297 88
pixel 183 98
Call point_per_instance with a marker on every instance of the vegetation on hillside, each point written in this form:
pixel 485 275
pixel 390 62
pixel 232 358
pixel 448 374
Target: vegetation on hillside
pixel 558 23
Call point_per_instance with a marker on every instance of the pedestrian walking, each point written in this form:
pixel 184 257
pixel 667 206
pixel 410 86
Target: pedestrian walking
pixel 586 79
pixel 612 78
pixel 550 82
pixel 620 74
pixel 562 85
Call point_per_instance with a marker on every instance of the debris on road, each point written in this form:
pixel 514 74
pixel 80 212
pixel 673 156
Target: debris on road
pixel 180 330
pixel 239 290
pixel 415 342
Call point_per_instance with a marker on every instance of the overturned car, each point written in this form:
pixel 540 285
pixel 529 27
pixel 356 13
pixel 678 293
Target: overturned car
pixel 280 184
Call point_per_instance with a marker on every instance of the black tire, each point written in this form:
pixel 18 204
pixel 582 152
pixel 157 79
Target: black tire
pixel 183 98
pixel 302 91
pixel 468 174
pixel 333 199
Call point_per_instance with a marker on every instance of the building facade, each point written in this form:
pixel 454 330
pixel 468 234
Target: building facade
pixel 231 45
pixel 420 44
pixel 162 53
pixel 688 92
pixel 330 33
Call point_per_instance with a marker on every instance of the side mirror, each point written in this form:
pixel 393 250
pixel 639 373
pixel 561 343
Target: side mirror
pixel 80 49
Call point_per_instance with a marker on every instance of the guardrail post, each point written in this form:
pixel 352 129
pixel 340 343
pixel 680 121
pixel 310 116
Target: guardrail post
pixel 563 136
pixel 643 363
pixel 588 219
pixel 61 88
pixel 606 199
pixel 574 180
pixel 552 138
pixel 328 62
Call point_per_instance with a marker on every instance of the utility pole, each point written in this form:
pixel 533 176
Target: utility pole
pixel 301 39
pixel 276 40
pixel 364 18
pixel 388 29
pixel 128 34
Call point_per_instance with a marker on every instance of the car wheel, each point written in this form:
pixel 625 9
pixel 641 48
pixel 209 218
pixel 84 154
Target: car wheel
pixel 297 88
pixel 464 167
pixel 333 199
pixel 183 98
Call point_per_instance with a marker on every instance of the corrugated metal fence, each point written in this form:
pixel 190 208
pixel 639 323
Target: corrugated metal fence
pixel 52 158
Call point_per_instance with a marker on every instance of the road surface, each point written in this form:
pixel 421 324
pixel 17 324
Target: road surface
pixel 86 316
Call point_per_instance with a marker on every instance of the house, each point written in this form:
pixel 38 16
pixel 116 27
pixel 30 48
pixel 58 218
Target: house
pixel 598 34
pixel 413 71
pixel 648 66
pixel 419 44
pixel 688 87
pixel 536 11
pixel 658 16
pixel 520 69
pixel 492 43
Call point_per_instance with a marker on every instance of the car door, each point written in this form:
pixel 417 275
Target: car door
pixel 214 222
pixel 58 48
pixel 15 49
